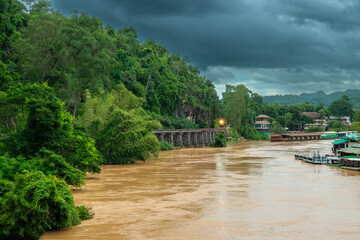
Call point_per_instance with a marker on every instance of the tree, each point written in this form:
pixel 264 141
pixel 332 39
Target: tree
pixel 41 7
pixel 319 107
pixel 98 110
pixel 288 117
pixel 127 137
pixel 7 78
pixel 45 161
pixel 284 120
pixel 39 48
pixel 12 19
pixel 314 129
pixel 46 124
pixel 120 126
pixel 276 127
pixel 335 125
pixel 88 53
pixel 308 107
pixel 235 99
pixel 322 113
pixel 220 140
pixel 341 107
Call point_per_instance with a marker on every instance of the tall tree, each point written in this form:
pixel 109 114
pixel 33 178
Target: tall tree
pixel 39 48
pixel 235 99
pixel 88 53
pixel 12 19
pixel 341 107
pixel 120 126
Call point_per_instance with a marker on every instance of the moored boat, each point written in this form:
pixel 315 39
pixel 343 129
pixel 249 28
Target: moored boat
pixel 314 157
pixel 351 163
pixel 334 161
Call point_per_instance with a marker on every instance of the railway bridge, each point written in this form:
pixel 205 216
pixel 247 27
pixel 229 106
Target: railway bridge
pixel 189 137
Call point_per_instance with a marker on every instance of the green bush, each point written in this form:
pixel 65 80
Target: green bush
pixel 249 132
pixel 165 146
pixel 314 129
pixel 169 122
pixel 45 161
pixel 220 140
pixel 84 212
pixel 335 125
pixel 127 137
pixel 48 125
pixel 35 203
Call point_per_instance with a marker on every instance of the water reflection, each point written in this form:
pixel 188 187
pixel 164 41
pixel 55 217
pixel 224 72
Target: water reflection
pixel 253 190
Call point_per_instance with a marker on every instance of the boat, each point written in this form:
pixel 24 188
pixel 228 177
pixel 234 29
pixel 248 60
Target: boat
pixel 351 163
pixel 333 160
pixel 314 157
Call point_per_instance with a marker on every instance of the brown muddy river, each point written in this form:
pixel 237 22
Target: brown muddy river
pixel 253 190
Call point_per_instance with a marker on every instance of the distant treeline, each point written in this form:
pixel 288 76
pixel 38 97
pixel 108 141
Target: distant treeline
pixel 316 98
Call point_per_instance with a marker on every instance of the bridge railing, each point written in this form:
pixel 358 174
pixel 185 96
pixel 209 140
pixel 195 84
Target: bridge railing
pixel 188 137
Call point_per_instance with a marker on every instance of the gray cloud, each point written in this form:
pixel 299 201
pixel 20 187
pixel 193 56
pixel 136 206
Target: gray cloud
pixel 275 46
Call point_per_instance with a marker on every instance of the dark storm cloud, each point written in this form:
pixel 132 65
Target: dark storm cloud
pixel 261 43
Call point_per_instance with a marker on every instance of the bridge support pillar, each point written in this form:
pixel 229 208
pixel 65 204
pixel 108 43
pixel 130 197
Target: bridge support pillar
pixel 180 139
pixel 188 139
pixel 202 136
pixel 172 138
pixel 206 139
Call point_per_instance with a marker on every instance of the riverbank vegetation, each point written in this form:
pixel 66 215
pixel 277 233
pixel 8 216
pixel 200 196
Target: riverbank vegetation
pixel 165 146
pixel 220 140
pixel 73 95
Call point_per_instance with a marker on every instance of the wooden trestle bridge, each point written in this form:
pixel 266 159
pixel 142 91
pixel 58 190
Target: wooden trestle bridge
pixel 189 137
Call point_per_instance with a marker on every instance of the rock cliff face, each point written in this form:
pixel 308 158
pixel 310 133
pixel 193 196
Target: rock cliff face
pixel 193 113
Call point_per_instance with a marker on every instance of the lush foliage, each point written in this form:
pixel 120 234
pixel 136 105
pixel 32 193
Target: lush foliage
pixel 117 90
pixel 314 129
pixel 120 126
pixel 235 104
pixel 45 161
pixel 126 137
pixel 43 155
pixel 165 146
pixel 335 125
pixel 39 120
pixel 276 127
pixel 220 140
pixel 341 107
pixel 84 212
pixel 34 203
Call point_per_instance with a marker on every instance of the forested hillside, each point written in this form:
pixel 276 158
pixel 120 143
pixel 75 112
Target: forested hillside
pixel 316 98
pixel 75 94
pixel 78 54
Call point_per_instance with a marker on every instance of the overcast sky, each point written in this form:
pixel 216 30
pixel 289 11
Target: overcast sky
pixel 270 46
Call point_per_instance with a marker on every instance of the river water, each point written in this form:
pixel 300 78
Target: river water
pixel 254 190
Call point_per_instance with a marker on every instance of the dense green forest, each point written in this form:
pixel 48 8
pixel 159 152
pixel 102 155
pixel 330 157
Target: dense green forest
pixel 316 98
pixel 75 94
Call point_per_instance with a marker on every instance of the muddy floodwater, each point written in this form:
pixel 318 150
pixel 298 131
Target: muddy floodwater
pixel 254 190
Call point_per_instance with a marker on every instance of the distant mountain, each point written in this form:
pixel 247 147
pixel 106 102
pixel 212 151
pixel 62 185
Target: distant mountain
pixel 315 98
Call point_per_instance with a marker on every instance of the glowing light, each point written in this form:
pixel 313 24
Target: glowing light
pixel 221 122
